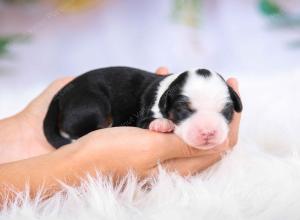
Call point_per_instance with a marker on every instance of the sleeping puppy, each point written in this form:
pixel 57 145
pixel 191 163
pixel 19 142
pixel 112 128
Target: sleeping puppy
pixel 196 105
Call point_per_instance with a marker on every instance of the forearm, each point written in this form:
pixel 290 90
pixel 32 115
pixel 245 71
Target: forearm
pixel 10 139
pixel 87 155
pixel 18 139
pixel 44 171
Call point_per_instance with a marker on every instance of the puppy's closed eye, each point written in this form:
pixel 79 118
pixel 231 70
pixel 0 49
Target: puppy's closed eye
pixel 180 109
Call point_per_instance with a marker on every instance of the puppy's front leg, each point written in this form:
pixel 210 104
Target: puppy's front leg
pixel 161 125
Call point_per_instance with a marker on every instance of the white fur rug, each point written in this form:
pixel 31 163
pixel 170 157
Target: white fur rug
pixel 260 179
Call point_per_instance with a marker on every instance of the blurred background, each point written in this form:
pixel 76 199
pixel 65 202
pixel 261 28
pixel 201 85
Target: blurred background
pixel 41 40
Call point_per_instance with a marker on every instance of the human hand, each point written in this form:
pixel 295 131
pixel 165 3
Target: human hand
pixel 111 151
pixel 115 151
pixel 32 141
pixel 33 116
pixel 120 149
pixel 30 122
pixel 23 132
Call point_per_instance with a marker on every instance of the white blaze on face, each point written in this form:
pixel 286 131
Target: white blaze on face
pixel 207 127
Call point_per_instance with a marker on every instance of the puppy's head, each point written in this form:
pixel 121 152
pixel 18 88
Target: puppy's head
pixel 201 105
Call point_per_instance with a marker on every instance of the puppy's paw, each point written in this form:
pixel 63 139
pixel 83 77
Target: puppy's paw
pixel 161 125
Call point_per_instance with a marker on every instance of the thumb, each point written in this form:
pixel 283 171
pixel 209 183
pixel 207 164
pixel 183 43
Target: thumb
pixel 233 83
pixel 40 104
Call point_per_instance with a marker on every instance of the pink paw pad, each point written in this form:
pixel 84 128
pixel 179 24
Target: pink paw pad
pixel 161 125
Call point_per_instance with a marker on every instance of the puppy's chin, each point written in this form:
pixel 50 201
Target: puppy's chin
pixel 204 145
pixel 188 132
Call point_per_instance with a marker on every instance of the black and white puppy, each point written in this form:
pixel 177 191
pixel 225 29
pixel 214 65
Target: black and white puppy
pixel 196 105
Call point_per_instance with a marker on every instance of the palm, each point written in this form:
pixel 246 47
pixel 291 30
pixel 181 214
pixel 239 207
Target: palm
pixel 33 115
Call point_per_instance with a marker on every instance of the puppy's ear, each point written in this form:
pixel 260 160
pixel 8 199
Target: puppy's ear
pixel 164 103
pixel 171 93
pixel 237 103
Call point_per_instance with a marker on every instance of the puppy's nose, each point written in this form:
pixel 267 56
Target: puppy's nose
pixel 207 135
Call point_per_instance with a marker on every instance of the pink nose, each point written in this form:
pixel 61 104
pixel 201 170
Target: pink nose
pixel 207 135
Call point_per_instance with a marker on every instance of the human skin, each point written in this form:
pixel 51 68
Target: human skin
pixel 26 156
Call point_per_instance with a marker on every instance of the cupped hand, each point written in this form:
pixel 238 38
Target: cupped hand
pixel 117 150
pixel 120 149
pixel 26 127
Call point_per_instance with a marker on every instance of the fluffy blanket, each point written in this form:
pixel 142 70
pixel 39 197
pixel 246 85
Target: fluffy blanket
pixel 259 179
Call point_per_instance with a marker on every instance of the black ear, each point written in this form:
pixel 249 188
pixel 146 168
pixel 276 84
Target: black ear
pixel 237 103
pixel 171 93
pixel 164 103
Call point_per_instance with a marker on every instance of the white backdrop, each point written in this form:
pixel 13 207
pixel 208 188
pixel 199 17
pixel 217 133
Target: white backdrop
pixel 233 39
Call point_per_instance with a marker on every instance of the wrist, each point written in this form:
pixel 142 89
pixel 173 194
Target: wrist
pixel 10 139
pixel 43 172
pixel 18 139
pixel 82 159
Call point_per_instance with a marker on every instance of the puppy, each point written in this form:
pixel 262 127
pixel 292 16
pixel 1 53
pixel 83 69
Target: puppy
pixel 196 105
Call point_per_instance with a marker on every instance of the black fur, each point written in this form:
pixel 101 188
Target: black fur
pixel 180 109
pixel 172 104
pixel 203 72
pixel 228 111
pixel 171 94
pixel 97 98
pixel 118 96
pixel 237 103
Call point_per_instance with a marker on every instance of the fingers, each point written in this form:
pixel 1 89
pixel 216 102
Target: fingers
pixel 234 129
pixel 234 84
pixel 52 89
pixel 170 146
pixel 187 166
pixel 151 146
pixel 140 149
pixel 162 71
pixel 235 124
